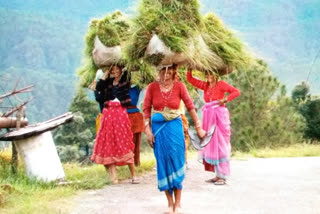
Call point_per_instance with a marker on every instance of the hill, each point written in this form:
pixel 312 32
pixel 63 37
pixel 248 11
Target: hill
pixel 42 41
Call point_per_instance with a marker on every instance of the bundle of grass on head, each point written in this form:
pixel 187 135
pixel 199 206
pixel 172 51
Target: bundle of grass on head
pixel 103 45
pixel 168 31
pixel 143 74
pixel 224 43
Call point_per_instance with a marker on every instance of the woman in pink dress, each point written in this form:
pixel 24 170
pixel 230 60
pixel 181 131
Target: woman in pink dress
pixel 216 155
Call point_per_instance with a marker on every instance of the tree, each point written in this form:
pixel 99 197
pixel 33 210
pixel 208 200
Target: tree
pixel 309 107
pixel 88 108
pixel 263 115
pixel 79 134
pixel 300 92
pixel 311 112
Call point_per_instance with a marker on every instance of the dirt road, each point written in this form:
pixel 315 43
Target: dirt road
pixel 257 186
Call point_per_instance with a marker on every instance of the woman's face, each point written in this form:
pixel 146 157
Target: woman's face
pixel 116 71
pixel 210 78
pixel 167 74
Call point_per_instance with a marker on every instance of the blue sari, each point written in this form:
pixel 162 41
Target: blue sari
pixel 169 150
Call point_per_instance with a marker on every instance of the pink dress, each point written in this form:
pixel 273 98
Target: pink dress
pixel 216 155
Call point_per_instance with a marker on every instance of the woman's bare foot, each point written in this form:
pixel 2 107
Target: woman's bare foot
pixel 169 210
pixel 178 210
pixel 115 181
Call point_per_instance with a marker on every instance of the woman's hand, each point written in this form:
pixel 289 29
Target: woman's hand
pixel 105 75
pixel 189 70
pixel 150 137
pixel 200 132
pixel 223 101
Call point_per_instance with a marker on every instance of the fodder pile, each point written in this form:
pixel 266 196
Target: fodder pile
pixel 163 32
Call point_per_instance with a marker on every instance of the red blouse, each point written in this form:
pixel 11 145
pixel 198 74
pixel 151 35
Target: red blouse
pixel 171 99
pixel 214 93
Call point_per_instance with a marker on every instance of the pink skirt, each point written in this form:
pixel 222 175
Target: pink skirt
pixel 216 155
pixel 114 141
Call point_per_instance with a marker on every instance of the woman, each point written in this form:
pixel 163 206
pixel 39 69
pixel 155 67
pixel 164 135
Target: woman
pixel 216 154
pixel 136 120
pixel 113 146
pixel 165 132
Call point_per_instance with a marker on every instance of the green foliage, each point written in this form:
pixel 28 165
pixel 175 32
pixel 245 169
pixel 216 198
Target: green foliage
pixel 69 153
pixel 262 116
pixel 294 150
pixel 311 112
pixel 300 92
pixel 75 139
pixel 89 109
pixel 309 107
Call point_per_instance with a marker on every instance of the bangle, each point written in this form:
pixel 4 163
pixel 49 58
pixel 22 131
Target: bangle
pixel 198 124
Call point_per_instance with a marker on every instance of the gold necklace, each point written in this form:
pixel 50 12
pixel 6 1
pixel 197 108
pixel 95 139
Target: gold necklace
pixel 166 91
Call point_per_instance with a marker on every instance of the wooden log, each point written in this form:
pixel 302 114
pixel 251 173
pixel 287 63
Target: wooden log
pixel 38 128
pixel 23 90
pixel 11 111
pixel 15 158
pixel 11 122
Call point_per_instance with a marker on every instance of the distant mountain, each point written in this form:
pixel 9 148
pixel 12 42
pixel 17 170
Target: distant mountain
pixel 45 37
pixel 42 43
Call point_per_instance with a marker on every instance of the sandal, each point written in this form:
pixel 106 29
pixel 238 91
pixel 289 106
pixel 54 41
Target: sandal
pixel 212 180
pixel 135 180
pixel 220 182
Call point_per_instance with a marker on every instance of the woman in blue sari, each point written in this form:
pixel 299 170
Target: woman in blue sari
pixel 165 132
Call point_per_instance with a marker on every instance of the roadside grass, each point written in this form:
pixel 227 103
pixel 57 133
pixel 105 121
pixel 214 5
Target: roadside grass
pixel 295 150
pixel 21 194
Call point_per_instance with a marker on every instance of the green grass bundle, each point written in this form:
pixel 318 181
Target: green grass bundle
pixel 173 21
pixel 224 43
pixel 164 32
pixel 111 31
pixel 143 75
